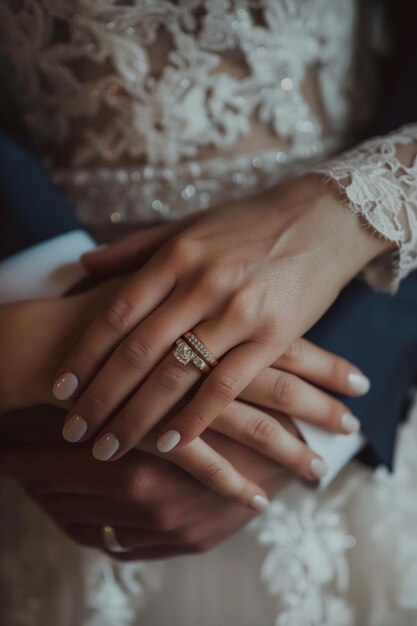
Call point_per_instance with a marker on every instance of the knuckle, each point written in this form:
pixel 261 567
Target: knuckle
pixel 166 518
pixel 224 388
pixel 284 389
pixel 262 431
pixel 240 307
pixel 196 421
pixel 295 351
pixel 211 281
pixel 272 334
pixel 136 352
pixel 94 402
pixel 128 420
pixel 137 485
pixel 170 377
pixel 181 251
pixel 119 315
pixel 213 473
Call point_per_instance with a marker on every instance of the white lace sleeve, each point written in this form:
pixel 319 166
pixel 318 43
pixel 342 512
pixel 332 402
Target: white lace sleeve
pixel 379 179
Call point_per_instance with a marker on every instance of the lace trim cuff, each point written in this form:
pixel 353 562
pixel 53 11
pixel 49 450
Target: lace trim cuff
pixel 379 179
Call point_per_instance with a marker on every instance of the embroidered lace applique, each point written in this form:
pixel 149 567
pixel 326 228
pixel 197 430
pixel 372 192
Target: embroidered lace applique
pixel 380 184
pixel 364 524
pixel 191 103
pixel 306 566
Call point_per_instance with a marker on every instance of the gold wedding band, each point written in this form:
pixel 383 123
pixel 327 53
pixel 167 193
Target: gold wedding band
pixel 201 349
pixel 110 540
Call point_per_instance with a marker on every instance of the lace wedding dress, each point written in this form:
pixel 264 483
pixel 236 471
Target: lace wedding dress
pixel 147 111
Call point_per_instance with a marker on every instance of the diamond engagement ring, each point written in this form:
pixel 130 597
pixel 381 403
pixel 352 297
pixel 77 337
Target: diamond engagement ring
pixel 185 354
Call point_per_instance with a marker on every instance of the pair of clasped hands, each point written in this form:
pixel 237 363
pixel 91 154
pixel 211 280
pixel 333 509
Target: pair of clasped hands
pixel 248 280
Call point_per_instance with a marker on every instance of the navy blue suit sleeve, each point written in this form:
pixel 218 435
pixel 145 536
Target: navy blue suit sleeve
pixel 31 208
pixel 378 333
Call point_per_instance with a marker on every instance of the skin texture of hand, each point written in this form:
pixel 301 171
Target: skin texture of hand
pixel 158 509
pixel 264 428
pixel 248 279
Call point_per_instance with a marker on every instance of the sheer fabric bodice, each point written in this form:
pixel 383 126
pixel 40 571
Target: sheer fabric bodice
pixel 151 109
pixel 147 110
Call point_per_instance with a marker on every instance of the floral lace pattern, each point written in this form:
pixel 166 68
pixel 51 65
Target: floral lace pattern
pixel 382 187
pixel 306 558
pixel 45 580
pixel 191 103
pixel 363 526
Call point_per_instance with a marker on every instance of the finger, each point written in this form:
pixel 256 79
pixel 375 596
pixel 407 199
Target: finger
pixel 168 514
pixel 127 253
pixel 262 432
pixel 323 368
pixel 156 553
pixel 289 394
pixel 132 303
pixel 91 537
pixel 165 387
pixel 217 391
pixel 129 539
pixel 129 365
pixel 211 469
pixel 61 469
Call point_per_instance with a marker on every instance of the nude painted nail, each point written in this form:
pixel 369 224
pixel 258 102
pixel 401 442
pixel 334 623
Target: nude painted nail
pixel 65 386
pixel 259 502
pixel 105 447
pixel 74 428
pixel 318 468
pixel 168 441
pixel 359 383
pixel 350 423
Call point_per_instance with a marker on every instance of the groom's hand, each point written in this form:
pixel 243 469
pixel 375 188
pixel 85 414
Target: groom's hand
pixel 156 508
pixel 129 253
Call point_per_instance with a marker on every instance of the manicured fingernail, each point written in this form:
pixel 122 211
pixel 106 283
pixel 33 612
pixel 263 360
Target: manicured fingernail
pixel 65 386
pixel 350 423
pixel 168 441
pixel 318 468
pixel 359 383
pixel 74 428
pixel 259 502
pixel 105 447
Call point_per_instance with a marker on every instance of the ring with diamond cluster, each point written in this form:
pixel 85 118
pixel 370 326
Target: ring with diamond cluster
pixel 189 349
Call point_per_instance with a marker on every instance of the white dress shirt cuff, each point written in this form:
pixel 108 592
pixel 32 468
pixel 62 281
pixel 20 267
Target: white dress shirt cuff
pixel 46 270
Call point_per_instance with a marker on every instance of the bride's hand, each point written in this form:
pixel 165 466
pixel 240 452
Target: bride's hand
pixel 248 280
pixel 29 358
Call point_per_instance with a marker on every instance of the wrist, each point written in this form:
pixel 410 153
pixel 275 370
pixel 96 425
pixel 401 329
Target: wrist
pixel 324 221
pixel 364 244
